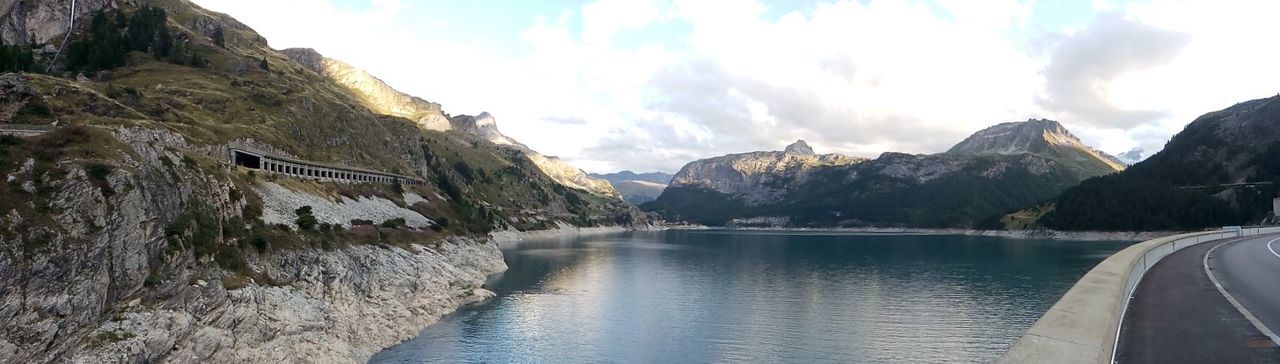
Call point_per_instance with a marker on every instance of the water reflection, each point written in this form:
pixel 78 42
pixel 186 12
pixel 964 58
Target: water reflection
pixel 708 296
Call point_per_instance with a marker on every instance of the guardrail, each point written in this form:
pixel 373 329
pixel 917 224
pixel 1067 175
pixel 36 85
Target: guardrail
pixel 1084 325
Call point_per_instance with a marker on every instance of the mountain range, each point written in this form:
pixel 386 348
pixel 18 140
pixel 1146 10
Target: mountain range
pixel 994 171
pixel 637 188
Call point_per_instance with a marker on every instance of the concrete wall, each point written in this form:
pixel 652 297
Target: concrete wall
pixel 1083 325
pixel 309 170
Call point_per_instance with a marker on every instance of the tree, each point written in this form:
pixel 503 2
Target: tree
pixel 218 38
pixel 306 220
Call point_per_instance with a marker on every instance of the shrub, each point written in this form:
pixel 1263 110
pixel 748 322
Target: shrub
pixel 394 223
pixel 306 220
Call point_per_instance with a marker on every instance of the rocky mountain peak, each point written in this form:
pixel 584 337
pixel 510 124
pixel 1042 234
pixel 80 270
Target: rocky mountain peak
pixel 799 147
pixel 484 126
pixel 1035 136
pixel 1015 138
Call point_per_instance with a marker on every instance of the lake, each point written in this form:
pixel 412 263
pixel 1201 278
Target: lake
pixel 698 296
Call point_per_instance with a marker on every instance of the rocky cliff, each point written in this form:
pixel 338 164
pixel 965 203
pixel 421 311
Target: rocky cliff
pixel 758 177
pixel 1042 137
pixel 43 22
pixel 992 172
pixel 128 234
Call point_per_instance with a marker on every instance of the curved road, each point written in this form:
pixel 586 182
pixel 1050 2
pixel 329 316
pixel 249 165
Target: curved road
pixel 1249 270
pixel 1178 315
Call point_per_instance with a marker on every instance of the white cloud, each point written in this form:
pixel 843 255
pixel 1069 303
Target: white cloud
pixel 860 77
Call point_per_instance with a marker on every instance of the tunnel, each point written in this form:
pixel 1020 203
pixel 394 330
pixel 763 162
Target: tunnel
pixel 247 160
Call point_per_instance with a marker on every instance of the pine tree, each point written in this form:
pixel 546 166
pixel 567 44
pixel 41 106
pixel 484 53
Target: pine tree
pixel 218 39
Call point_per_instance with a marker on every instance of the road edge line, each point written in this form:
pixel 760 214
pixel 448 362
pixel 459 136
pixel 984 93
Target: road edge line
pixel 1247 315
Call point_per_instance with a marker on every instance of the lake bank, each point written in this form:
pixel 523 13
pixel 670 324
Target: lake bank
pixel 1013 234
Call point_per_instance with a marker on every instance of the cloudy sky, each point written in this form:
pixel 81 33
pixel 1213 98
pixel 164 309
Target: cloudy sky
pixel 652 84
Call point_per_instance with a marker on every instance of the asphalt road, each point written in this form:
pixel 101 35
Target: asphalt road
pixel 1177 315
pixel 1249 270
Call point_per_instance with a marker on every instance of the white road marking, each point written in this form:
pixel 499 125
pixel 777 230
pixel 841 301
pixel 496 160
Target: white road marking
pixel 1273 250
pixel 1239 307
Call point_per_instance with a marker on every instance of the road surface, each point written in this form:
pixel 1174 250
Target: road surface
pixel 1178 315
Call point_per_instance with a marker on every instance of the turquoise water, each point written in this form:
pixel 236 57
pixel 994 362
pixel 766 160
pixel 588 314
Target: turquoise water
pixel 721 296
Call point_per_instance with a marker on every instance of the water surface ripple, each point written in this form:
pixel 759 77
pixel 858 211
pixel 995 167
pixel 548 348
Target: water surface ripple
pixel 718 296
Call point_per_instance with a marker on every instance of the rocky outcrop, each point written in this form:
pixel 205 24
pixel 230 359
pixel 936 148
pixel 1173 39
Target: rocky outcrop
pixel 104 284
pixel 339 306
pixel 43 22
pixel 1041 137
pixel 484 126
pixel 799 147
pixel 758 177
pixel 371 91
pixel 998 169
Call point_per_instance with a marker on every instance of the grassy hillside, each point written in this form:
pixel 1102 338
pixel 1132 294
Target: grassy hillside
pixel 228 85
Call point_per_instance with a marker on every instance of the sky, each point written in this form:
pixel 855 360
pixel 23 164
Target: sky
pixel 649 85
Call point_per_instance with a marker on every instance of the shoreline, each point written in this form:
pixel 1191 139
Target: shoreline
pixel 1013 234
pixel 508 238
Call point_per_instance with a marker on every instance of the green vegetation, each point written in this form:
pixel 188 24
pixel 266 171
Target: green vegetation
pixel 829 198
pixel 396 223
pixel 245 90
pixel 1153 194
pixel 113 34
pixel 306 220
pixel 16 58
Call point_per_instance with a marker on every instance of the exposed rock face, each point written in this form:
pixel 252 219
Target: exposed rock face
pixel 341 306
pixel 1004 167
pixel 485 127
pixel 758 177
pixel 1044 137
pixel 107 287
pixel 14 95
pixel 799 147
pixel 373 93
pixel 45 21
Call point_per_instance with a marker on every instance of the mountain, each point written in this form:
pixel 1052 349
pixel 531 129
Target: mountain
pixel 758 177
pixel 381 98
pixel 637 188
pixel 996 170
pixel 1176 189
pixel 1133 156
pixel 371 91
pixel 144 225
pixel 1041 137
